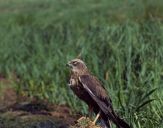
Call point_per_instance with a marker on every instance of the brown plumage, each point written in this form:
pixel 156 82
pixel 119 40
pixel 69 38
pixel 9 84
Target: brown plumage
pixel 89 89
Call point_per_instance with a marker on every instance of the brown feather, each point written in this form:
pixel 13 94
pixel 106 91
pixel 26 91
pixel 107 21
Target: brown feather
pixel 89 89
pixel 95 86
pixel 99 95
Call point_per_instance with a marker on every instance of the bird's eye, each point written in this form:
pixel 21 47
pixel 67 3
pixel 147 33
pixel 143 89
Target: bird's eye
pixel 75 63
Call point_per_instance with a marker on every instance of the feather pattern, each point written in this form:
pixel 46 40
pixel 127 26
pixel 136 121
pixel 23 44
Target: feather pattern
pixel 89 89
pixel 99 95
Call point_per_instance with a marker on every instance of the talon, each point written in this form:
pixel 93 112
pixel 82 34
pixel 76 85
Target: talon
pixel 98 115
pixel 81 118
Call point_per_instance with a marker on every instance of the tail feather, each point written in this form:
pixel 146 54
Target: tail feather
pixel 121 123
pixel 105 123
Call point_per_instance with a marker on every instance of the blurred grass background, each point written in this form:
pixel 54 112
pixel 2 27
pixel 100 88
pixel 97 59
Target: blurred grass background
pixel 121 42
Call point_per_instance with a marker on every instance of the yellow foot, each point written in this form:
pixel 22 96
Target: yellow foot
pixel 95 120
pixel 93 125
pixel 85 122
pixel 81 118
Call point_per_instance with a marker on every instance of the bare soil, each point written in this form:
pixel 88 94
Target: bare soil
pixel 20 111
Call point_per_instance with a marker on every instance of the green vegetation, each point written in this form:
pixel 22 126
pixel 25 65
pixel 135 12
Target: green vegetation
pixel 121 42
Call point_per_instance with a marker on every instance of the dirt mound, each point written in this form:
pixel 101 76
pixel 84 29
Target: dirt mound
pixel 30 113
pixel 21 112
pixel 84 122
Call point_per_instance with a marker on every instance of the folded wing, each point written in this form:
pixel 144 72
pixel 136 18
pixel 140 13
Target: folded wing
pixel 98 94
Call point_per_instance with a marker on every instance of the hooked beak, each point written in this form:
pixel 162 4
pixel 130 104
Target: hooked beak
pixel 69 65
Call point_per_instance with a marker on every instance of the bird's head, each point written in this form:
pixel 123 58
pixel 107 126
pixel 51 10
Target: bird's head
pixel 77 66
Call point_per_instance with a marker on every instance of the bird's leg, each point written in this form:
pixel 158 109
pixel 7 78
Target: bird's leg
pixel 95 120
pixel 81 118
pixel 109 123
pixel 90 112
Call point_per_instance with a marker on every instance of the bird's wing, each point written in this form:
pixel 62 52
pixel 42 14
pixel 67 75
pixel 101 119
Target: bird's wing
pixel 97 92
pixel 99 95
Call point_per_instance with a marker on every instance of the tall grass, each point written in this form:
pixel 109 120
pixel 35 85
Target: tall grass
pixel 121 42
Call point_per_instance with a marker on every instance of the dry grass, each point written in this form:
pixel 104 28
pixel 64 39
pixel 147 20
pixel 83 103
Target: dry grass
pixel 84 122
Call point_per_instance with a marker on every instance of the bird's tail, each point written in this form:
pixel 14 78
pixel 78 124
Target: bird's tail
pixel 105 123
pixel 121 123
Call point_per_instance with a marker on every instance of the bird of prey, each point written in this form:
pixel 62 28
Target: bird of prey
pixel 89 89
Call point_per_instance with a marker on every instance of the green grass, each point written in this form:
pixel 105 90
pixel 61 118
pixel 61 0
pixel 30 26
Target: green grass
pixel 119 39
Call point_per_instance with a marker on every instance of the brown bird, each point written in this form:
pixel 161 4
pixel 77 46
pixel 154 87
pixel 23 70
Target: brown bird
pixel 89 89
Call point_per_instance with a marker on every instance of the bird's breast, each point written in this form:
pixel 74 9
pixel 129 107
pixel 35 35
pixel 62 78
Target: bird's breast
pixel 76 86
pixel 72 82
pixel 78 90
